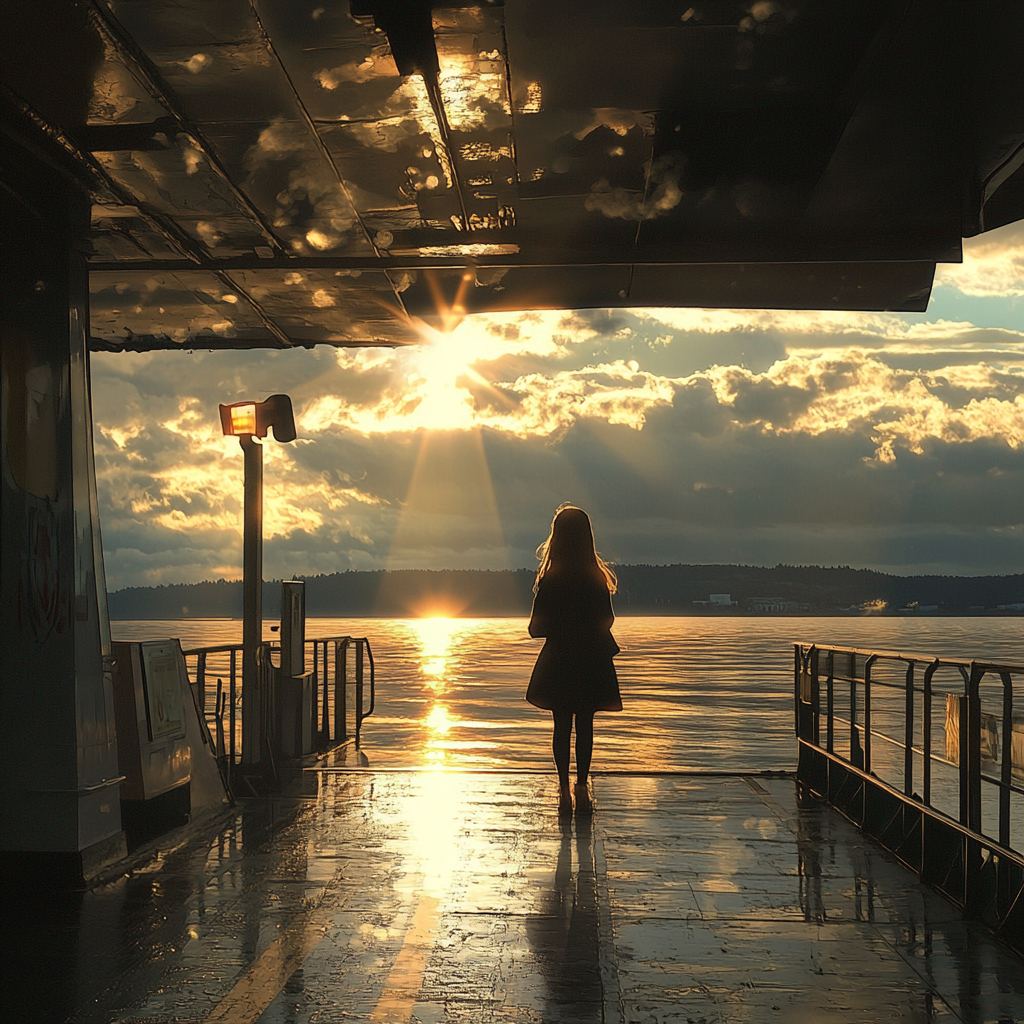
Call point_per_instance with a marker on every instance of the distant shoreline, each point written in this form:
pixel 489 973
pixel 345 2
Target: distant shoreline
pixel 746 591
pixel 988 614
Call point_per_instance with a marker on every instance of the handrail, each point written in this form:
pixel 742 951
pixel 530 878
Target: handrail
pixel 225 717
pixel 912 656
pixel 984 874
pixel 810 659
pixel 373 677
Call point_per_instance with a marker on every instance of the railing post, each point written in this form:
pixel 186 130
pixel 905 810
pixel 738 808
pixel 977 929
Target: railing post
pixel 218 718
pixel 325 720
pixel 340 682
pixel 867 710
pixel 201 682
pixel 314 712
pixel 926 733
pixel 970 733
pixel 908 733
pixel 856 751
pixel 806 693
pixel 830 699
pixel 359 689
pixel 231 717
pixel 798 654
pixel 973 730
pixel 1006 760
pixel 816 697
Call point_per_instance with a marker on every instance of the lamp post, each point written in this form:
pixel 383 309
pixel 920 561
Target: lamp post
pixel 248 421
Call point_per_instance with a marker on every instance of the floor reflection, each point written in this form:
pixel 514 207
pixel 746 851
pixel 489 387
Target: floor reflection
pixel 564 933
pixel 445 897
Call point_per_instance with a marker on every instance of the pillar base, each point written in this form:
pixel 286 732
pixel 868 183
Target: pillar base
pixel 63 869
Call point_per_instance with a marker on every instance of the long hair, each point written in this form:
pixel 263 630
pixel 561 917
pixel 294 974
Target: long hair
pixel 570 551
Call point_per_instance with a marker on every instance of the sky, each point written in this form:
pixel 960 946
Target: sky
pixel 878 440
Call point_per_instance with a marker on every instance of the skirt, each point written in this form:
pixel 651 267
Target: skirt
pixel 570 679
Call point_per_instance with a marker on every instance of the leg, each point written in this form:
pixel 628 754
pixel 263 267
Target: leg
pixel 560 748
pixel 584 745
pixel 560 743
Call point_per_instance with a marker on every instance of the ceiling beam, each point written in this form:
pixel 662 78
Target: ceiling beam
pixel 398 263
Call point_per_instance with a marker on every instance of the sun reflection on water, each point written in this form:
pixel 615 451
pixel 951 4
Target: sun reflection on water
pixel 436 636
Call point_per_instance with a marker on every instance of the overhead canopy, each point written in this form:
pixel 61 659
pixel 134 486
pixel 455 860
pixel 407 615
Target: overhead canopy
pixel 280 172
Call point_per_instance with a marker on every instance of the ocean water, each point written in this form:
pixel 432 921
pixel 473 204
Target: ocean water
pixel 699 694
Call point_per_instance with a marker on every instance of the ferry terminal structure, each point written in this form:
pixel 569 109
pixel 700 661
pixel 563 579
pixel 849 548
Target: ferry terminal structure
pixel 266 174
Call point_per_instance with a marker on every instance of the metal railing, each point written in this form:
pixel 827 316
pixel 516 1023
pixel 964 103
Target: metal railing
pixel 330 674
pixel 874 727
pixel 216 674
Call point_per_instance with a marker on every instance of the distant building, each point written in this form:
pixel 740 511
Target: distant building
pixel 1018 606
pixel 777 605
pixel 724 599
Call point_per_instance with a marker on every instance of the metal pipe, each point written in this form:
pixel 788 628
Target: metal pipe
pixel 830 699
pixel 815 695
pixel 1006 766
pixel 201 681
pixel 325 720
pixel 340 681
pixel 867 711
pixel 973 728
pixel 926 737
pixel 252 602
pixel 231 717
pixel 359 689
pixel 908 732
pixel 313 711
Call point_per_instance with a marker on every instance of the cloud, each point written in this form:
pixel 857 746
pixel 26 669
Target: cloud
pixel 855 391
pixel 691 435
pixel 993 264
pixel 440 386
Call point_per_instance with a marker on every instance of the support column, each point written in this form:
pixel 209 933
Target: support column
pixel 59 791
pixel 253 698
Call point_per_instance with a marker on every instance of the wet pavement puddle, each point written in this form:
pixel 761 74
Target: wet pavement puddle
pixel 447 896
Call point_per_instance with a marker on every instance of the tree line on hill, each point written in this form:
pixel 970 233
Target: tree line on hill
pixel 643 590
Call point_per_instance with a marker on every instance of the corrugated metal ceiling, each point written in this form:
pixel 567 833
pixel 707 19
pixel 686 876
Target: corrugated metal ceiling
pixel 272 172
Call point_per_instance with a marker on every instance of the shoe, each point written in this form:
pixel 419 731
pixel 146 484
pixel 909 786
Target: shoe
pixel 584 801
pixel 564 801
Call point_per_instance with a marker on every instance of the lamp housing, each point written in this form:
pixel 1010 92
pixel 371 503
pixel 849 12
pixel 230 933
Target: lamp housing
pixel 254 419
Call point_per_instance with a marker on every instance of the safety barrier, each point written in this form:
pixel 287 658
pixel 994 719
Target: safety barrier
pixel 954 850
pixel 216 675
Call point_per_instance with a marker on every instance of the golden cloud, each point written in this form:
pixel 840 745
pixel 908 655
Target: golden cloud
pixel 854 390
pixel 993 264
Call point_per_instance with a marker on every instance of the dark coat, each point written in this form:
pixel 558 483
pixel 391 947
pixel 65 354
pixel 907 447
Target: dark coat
pixel 574 671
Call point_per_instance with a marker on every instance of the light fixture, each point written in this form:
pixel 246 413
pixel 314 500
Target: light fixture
pixel 248 421
pixel 254 419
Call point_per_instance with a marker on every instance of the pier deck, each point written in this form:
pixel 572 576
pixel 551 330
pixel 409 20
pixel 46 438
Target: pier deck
pixel 452 896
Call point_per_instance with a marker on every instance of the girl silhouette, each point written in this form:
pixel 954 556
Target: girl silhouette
pixel 574 674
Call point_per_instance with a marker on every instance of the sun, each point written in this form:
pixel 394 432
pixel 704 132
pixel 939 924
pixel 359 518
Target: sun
pixel 441 365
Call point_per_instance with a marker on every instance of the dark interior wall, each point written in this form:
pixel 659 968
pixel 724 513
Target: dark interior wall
pixel 49 51
pixel 58 753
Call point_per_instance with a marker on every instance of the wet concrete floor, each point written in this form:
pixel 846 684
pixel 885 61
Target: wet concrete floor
pixel 430 896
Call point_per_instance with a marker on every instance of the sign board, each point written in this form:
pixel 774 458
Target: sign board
pixel 162 684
